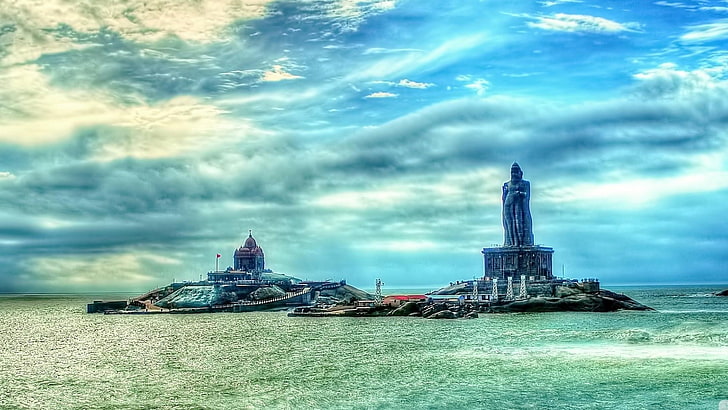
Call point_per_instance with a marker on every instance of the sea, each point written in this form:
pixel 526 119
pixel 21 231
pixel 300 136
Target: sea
pixel 53 355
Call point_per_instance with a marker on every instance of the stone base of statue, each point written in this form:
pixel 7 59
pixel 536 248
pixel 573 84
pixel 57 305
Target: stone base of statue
pixel 535 262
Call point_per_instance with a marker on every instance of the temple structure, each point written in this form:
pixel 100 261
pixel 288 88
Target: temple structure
pixel 518 256
pixel 248 264
pixel 249 257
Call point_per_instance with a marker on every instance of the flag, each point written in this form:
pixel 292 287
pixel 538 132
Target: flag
pixel 218 255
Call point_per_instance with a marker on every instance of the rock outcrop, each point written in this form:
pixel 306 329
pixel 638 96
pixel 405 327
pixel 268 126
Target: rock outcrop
pixel 443 314
pixel 345 294
pixel 267 292
pixel 191 297
pixel 722 293
pixel 406 310
pixel 433 308
pixel 602 301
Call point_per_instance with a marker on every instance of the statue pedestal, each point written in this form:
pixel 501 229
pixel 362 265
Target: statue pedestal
pixel 533 261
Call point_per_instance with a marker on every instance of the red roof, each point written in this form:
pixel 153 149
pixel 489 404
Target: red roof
pixel 397 297
pixel 405 297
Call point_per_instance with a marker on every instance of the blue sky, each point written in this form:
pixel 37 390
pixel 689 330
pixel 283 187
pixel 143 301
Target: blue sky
pixel 359 139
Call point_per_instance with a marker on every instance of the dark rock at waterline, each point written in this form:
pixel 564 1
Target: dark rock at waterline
pixel 443 314
pixel 433 308
pixel 722 293
pixel 406 310
pixel 602 301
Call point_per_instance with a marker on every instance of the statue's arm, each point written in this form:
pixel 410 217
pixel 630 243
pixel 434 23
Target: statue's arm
pixel 505 191
pixel 527 190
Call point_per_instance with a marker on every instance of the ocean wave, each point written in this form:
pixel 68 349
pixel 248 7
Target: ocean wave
pixel 689 333
pixel 649 352
pixel 621 351
pixel 692 295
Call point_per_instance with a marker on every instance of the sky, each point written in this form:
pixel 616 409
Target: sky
pixel 359 139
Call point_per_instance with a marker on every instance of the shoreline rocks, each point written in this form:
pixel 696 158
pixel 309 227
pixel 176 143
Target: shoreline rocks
pixel 602 301
pixel 407 309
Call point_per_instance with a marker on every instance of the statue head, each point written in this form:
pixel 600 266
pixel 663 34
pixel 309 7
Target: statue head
pixel 516 172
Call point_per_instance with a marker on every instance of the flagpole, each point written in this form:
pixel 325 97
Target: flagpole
pixel 217 262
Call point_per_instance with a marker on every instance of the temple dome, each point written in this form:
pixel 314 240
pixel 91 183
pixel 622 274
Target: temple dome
pixel 249 257
pixel 250 242
pixel 242 251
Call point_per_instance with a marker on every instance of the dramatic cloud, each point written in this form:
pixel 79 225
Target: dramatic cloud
pixel 358 139
pixel 581 24
pixel 701 33
pixel 36 27
pixel 669 81
pixel 46 114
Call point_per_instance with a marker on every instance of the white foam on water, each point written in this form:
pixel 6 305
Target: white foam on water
pixel 684 352
pixel 620 351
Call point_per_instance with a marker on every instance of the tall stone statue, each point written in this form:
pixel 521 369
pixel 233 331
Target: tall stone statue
pixel 516 210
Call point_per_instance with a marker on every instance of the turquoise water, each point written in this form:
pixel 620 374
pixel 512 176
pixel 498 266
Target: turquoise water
pixel 54 356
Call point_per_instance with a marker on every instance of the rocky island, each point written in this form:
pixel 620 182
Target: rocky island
pixel 517 277
pixel 246 286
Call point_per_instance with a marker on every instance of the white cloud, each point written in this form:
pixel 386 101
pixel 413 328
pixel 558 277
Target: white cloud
pixel 521 75
pixel 578 23
pixel 692 7
pixel 557 2
pixel 700 33
pixel 439 56
pixel 413 84
pixel 123 270
pixel 375 199
pixel 714 8
pixel 200 21
pixel 635 193
pixel 673 4
pixel 381 94
pixel 379 50
pixel 43 114
pixel 668 81
pixel 349 14
pixel 278 73
pixel 480 86
pixel 172 128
